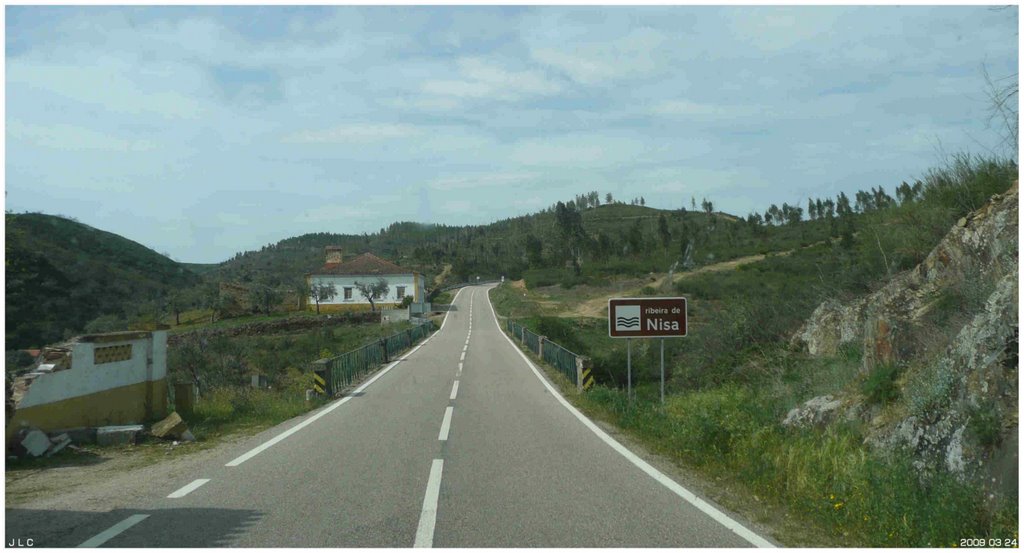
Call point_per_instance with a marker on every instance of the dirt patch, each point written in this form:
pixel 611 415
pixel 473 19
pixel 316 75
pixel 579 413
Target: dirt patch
pixel 101 478
pixel 518 284
pixel 598 307
pixel 444 274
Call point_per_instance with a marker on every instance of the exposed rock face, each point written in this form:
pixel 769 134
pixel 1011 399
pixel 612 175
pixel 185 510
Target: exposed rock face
pixel 885 321
pixel 957 411
pixel 982 361
pixel 814 412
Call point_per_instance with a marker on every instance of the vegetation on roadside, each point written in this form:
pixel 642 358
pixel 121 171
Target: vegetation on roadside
pixel 734 378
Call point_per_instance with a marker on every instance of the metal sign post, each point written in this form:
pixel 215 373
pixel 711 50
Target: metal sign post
pixel 629 369
pixel 662 372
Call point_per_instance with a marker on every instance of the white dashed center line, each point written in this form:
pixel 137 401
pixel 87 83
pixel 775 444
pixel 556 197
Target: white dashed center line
pixel 428 513
pixel 455 390
pixel 106 535
pixel 189 488
pixel 446 424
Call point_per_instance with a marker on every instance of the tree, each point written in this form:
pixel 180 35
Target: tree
pixel 635 238
pixel 301 288
pixel 1002 96
pixel 178 301
pixel 534 250
pixel 373 290
pixel 663 231
pixel 608 198
pixel 709 210
pixel 209 298
pixel 322 292
pixel 263 296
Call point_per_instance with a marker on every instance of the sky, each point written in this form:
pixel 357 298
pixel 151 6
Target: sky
pixel 205 131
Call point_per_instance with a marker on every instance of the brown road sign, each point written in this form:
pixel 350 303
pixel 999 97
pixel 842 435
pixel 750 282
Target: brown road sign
pixel 647 317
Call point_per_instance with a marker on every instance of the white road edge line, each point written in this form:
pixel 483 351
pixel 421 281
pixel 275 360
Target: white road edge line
pixel 428 513
pixel 654 473
pixel 446 424
pixel 189 488
pixel 271 442
pixel 455 390
pixel 106 535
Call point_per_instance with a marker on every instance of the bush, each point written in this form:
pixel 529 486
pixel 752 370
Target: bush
pixel 986 424
pixel 880 385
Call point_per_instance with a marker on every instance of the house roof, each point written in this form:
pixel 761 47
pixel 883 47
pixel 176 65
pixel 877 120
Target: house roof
pixel 365 264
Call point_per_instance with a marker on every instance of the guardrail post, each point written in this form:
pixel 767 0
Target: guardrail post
pixel 584 378
pixel 321 378
pixel 540 346
pixel 384 348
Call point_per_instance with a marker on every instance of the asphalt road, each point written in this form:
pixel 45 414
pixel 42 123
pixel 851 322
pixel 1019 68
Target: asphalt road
pixel 460 443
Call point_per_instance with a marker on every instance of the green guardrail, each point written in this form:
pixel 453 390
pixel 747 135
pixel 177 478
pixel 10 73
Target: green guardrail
pixel 558 357
pixel 561 359
pixel 339 372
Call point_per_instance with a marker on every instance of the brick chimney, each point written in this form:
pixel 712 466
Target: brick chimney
pixel 333 254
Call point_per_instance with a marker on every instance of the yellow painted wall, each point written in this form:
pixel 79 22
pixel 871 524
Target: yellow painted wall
pixel 132 404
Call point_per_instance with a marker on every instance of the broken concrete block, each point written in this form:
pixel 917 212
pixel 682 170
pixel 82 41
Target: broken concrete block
pixel 117 435
pixel 59 443
pixel 81 435
pixel 171 427
pixel 36 443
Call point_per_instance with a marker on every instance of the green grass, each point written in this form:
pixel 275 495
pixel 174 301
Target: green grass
pixel 880 385
pixel 228 410
pixel 825 477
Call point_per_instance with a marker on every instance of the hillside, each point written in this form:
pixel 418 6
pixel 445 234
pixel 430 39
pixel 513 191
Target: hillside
pixel 890 419
pixel 61 274
pixel 609 239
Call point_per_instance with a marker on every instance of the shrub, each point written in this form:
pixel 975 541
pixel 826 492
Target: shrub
pixel 986 424
pixel 880 385
pixel 929 387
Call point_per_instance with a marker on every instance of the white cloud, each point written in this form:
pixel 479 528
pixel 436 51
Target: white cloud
pixel 704 111
pixel 481 180
pixel 778 28
pixel 596 61
pixel 72 138
pixel 114 85
pixel 358 132
pixel 483 79
pixel 578 150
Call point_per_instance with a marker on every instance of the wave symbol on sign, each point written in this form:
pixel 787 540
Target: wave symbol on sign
pixel 627 322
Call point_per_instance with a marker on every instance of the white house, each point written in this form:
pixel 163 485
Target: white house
pixel 365 268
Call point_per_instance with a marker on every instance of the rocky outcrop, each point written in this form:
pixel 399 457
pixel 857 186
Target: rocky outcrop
pixel 957 405
pixel 982 363
pixel 885 322
pixel 816 411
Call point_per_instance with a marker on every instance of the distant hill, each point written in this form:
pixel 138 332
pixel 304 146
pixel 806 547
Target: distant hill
pixel 61 274
pixel 510 246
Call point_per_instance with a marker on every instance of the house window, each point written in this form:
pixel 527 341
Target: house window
pixel 401 291
pixel 348 292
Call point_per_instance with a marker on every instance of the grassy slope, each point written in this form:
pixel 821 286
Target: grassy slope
pixel 62 274
pixel 733 379
pixel 228 405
